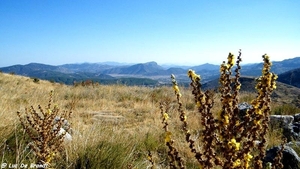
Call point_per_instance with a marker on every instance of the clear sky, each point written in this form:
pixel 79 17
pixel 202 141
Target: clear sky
pixel 135 31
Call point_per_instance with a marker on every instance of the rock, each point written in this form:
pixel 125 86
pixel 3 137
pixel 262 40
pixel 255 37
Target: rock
pixel 290 158
pixel 243 107
pixel 293 144
pixel 65 123
pixel 297 117
pixel 67 136
pixel 281 120
pixel 65 128
pixel 291 132
pixel 290 127
pixel 290 124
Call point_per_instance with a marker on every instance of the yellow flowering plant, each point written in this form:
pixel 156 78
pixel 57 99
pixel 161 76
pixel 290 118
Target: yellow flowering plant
pixel 227 139
pixel 43 128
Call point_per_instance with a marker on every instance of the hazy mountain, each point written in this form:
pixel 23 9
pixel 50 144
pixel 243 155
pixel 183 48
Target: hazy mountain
pixel 137 69
pixel 175 70
pixel 286 65
pixel 52 73
pixel 167 66
pixel 206 66
pixel 27 69
pixel 87 67
pixel 71 73
pixel 114 63
pixel 150 70
pixel 92 67
pixel 278 67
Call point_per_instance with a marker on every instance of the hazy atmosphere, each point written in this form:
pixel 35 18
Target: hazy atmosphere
pixel 169 31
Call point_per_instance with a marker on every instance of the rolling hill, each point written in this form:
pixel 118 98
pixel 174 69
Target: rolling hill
pixel 113 72
pixel 291 77
pixel 284 93
pixel 137 69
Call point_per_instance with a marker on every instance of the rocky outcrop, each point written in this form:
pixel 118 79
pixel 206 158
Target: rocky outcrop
pixel 290 158
pixel 290 125
pixel 282 121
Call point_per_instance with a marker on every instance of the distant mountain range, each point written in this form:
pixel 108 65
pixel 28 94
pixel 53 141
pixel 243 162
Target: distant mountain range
pixel 151 73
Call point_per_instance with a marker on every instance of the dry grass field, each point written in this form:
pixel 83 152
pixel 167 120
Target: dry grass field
pixel 113 126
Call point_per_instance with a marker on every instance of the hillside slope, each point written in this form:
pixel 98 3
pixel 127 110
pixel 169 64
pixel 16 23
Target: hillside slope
pixel 291 77
pixel 109 122
pixel 284 93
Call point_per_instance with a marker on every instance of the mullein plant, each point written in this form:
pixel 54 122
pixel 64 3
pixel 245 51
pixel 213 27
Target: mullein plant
pixel 44 130
pixel 227 138
pixel 175 160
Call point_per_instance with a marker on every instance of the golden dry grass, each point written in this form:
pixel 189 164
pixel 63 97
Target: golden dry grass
pixel 111 124
pixel 114 114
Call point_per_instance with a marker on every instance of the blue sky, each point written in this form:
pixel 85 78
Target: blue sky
pixel 133 31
